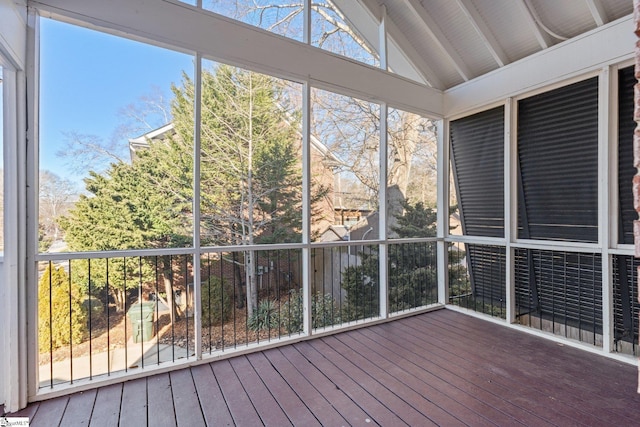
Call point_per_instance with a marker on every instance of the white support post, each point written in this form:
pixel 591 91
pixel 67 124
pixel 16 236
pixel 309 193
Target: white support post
pixel 442 226
pixel 383 210
pixel 197 279
pixel 306 209
pixel 28 211
pixel 510 205
pixel 306 26
pixel 605 101
pixel 382 38
pixel 12 313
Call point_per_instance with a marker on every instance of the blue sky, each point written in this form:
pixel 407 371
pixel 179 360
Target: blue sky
pixel 87 77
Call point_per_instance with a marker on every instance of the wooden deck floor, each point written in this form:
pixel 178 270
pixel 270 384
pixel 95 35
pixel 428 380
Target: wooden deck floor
pixel 440 368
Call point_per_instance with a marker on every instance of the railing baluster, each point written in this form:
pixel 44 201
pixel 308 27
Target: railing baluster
pixel 106 298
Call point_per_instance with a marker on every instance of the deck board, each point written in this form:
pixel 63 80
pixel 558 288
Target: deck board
pixel 214 408
pixel 430 372
pixel 50 412
pixel 322 410
pixel 390 391
pixel 79 409
pixel 160 411
pixel 535 376
pixel 270 411
pixel 570 364
pixel 240 406
pixel 295 409
pixel 492 371
pixel 380 413
pixel 106 409
pixel 185 399
pixel 438 368
pixel 133 409
pixel 440 393
pixel 347 408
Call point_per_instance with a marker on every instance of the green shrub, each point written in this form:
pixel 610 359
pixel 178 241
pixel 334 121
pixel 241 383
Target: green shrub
pixel 96 306
pixel 216 302
pixel 264 317
pixel 62 316
pixel 324 311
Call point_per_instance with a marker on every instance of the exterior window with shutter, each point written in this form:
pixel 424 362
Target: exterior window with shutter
pixel 558 164
pixel 558 201
pixel 477 154
pixel 625 297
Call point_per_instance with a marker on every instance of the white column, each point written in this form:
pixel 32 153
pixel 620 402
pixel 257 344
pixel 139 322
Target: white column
pixel 510 205
pixel 197 280
pixel 306 209
pixel 383 210
pixel 606 99
pixel 442 226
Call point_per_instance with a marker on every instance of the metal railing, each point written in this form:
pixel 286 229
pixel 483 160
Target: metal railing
pixel 476 278
pixel 413 275
pixel 107 313
pixel 560 292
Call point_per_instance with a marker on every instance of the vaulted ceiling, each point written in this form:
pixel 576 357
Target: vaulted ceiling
pixel 448 42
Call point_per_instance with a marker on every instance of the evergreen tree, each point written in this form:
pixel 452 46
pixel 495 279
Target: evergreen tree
pixel 250 173
pixel 250 183
pixel 62 316
pixel 412 272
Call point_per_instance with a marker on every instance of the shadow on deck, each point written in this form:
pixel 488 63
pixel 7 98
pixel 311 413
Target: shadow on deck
pixel 438 368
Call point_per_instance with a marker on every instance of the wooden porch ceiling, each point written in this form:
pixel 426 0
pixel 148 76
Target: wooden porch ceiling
pixel 439 368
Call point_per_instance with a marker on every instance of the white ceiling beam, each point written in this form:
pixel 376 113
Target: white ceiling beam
pixel 543 39
pixel 434 31
pixel 598 12
pixel 483 31
pixel 589 52
pixel 403 57
pixel 185 28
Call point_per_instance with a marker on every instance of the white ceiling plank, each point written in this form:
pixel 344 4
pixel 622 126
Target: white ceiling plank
pixel 405 48
pixel 432 28
pixel 542 38
pixel 235 43
pixel 598 12
pixel 366 20
pixel 484 32
pixel 606 45
pixel 403 57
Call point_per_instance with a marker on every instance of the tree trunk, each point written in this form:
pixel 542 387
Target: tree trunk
pixel 250 270
pixel 252 291
pixel 240 296
pixel 167 275
pixel 120 297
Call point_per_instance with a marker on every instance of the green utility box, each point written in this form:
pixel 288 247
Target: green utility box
pixel 141 316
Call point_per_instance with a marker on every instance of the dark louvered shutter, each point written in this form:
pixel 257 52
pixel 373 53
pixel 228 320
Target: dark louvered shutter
pixel 558 200
pixel 625 298
pixel 477 148
pixel 477 153
pixel 626 170
pixel 558 164
pixel 564 288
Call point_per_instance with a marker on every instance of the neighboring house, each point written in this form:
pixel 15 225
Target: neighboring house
pixel 333 209
pixel 328 221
